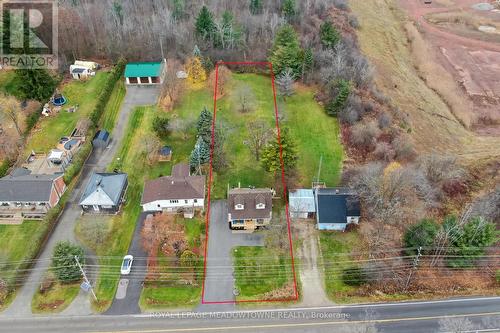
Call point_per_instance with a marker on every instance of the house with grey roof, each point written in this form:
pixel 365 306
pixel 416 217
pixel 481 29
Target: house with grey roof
pixel 179 193
pixel 104 193
pixel 249 208
pixel 24 195
pixel 336 208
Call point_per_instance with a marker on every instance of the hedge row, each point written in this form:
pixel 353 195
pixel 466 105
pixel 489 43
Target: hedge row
pixel 4 167
pixel 106 92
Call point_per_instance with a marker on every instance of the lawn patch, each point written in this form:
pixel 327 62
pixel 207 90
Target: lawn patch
pixel 54 300
pixel 259 270
pixel 113 107
pixel 169 297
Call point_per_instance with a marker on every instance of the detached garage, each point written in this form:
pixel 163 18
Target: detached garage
pixel 137 73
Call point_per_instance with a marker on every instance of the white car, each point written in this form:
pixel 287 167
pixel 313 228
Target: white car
pixel 127 264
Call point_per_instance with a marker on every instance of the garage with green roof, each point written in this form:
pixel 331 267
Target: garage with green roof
pixel 137 73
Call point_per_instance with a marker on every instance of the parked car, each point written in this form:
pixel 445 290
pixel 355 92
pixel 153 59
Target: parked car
pixel 127 264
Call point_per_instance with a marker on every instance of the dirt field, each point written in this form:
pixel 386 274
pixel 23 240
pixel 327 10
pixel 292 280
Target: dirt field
pixel 419 79
pixel 451 29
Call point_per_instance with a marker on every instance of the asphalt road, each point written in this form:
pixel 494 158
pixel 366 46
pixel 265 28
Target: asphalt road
pixel 408 317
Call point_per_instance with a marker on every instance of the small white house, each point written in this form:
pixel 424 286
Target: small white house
pixel 178 193
pixel 80 73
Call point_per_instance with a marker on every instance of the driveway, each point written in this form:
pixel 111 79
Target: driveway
pixel 126 300
pixel 219 280
pixel 64 230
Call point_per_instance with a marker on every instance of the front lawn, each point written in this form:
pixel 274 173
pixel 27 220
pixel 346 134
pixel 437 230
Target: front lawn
pixel 54 300
pixel 336 248
pixel 259 270
pixel 49 130
pixel 169 297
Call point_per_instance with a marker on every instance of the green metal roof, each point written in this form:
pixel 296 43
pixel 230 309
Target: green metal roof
pixel 142 69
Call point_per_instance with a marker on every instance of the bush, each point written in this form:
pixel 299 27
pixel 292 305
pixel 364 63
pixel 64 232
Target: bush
pixel 364 135
pixel 32 119
pixel 160 127
pixel 78 160
pixel 4 167
pixel 353 111
pixel 383 151
pixel 404 148
pixel 337 104
pixel 64 264
pixel 107 90
pixel 354 276
pixel 421 234
pixel 46 284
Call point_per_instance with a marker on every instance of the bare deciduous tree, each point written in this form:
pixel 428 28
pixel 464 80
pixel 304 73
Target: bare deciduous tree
pixel 10 110
pixel 245 98
pixel 259 134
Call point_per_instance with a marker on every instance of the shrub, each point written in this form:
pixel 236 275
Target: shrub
pixel 107 90
pixel 63 261
pixel 78 161
pixel 384 151
pixel 32 119
pixel 160 126
pixel 354 276
pixel 353 21
pixel 404 148
pixel 353 111
pixel 46 284
pixel 364 135
pixel 337 104
pixel 421 234
pixel 384 120
pixel 4 167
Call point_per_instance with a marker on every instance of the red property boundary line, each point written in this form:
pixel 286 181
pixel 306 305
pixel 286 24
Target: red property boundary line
pixel 207 219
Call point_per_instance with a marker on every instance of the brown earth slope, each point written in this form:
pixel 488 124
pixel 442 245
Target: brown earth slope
pixel 428 94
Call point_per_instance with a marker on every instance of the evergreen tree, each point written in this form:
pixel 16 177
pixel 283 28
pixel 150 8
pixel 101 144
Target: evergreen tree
pixel 286 52
pixel 227 32
pixel 64 264
pixel 196 52
pixel 270 156
pixel 178 10
pixel 284 81
pixel 205 23
pixel 288 9
pixel 329 35
pixel 200 154
pixel 421 234
pixel 337 104
pixel 256 7
pixel 204 126
pixel 37 84
pixel 308 60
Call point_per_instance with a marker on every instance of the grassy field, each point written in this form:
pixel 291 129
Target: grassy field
pixel 56 299
pixel 113 107
pixel 156 298
pixel 335 247
pixel 18 243
pixel 259 270
pixel 50 129
pixel 315 133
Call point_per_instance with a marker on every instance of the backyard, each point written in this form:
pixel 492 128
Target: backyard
pixel 46 134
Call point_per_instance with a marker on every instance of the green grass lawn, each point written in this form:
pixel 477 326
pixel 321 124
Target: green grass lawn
pixel 315 133
pixel 17 244
pixel 108 120
pixel 336 247
pixel 169 297
pixel 259 270
pixel 56 299
pixel 50 129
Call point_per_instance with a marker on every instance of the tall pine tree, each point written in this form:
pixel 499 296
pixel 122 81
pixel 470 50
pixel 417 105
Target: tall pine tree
pixel 204 126
pixel 270 157
pixel 204 24
pixel 288 9
pixel 286 52
pixel 329 35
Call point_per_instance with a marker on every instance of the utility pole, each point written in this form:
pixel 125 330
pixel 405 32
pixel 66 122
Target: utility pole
pixel 85 277
pixel 415 266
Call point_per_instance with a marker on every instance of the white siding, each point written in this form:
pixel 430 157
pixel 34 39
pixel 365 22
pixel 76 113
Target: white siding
pixel 160 205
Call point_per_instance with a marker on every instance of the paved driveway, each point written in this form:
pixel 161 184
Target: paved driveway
pixel 64 230
pixel 219 280
pixel 130 303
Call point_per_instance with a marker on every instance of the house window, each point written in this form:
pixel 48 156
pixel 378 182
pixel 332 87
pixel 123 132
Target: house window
pixel 260 221
pixel 158 205
pixel 238 222
pixel 107 207
pixel 174 201
pixel 185 201
pixel 239 207
pixel 42 203
pixel 195 200
pixel 5 203
pixel 261 206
